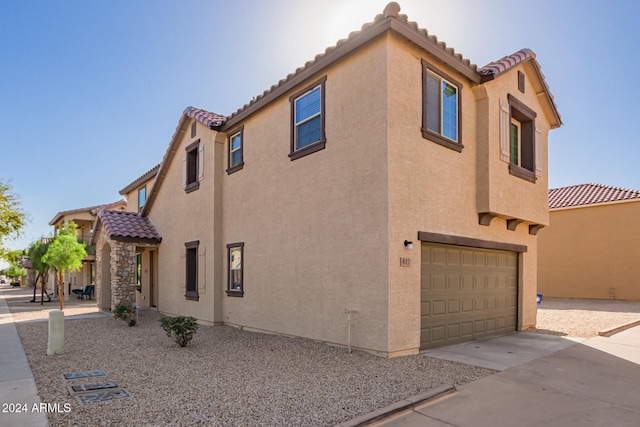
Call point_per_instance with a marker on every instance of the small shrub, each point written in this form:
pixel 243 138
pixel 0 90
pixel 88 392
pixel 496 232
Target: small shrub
pixel 183 328
pixel 126 313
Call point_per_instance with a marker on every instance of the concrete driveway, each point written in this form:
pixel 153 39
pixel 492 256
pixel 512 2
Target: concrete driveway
pixel 592 381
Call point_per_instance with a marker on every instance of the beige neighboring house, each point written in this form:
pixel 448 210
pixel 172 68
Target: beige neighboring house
pixel 84 219
pixel 386 196
pixel 136 192
pixel 591 248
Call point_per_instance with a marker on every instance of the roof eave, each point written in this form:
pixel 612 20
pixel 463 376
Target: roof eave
pixel 130 239
pixel 145 177
pixel 344 48
pixel 167 158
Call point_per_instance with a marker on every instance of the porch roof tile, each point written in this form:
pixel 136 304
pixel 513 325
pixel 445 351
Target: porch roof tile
pixel 128 226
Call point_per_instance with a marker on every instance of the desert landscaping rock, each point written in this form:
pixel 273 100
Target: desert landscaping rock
pixel 226 377
pixel 229 377
pixel 583 317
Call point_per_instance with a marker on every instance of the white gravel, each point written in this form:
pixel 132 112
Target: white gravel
pixel 227 377
pixel 583 317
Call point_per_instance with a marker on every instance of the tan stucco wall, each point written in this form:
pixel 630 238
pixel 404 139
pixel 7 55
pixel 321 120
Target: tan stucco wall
pixel 323 234
pixel 587 251
pixel 184 217
pixel 500 192
pixel 315 229
pixel 433 188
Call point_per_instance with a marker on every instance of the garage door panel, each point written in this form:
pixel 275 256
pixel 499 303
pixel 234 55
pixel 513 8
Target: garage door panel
pixel 466 293
pixel 453 306
pixel 438 282
pixel 439 308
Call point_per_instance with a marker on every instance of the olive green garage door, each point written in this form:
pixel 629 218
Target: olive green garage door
pixel 466 293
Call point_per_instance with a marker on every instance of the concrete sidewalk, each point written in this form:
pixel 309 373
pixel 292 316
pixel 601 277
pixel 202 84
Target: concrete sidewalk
pixel 595 381
pixel 18 390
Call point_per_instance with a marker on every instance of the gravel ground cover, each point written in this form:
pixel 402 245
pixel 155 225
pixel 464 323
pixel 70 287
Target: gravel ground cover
pixel 230 377
pixel 227 377
pixel 583 317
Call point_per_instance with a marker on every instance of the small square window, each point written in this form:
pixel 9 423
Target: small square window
pixel 191 268
pixel 307 120
pixel 235 275
pixel 236 157
pixel 441 108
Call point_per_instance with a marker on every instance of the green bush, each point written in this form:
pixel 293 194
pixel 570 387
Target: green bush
pixel 183 328
pixel 126 313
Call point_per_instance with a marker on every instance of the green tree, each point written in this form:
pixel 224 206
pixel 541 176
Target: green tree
pixel 12 217
pixel 36 252
pixel 14 271
pixel 14 258
pixel 65 253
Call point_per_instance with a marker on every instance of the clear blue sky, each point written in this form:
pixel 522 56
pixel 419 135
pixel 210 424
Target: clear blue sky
pixel 91 91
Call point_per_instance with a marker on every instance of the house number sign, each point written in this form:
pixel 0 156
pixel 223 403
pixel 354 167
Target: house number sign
pixel 405 262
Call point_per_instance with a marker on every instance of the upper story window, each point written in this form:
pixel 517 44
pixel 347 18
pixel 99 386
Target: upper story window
pixel 192 166
pixel 515 154
pixel 235 158
pixel 441 108
pixel 519 139
pixel 307 120
pixel 142 197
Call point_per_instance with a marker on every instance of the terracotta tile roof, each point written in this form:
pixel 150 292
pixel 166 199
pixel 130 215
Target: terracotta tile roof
pixel 207 118
pixel 141 179
pixel 589 194
pixel 128 227
pixel 496 68
pixel 93 210
pixel 381 23
pixel 509 61
pixel 391 19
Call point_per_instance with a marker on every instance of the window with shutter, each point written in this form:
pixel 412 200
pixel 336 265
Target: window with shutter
pixel 523 141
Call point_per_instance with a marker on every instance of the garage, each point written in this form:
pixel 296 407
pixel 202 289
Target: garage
pixel 466 293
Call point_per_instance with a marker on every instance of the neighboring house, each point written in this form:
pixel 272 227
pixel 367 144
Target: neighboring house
pixel 386 196
pixel 591 248
pixel 136 192
pixel 84 218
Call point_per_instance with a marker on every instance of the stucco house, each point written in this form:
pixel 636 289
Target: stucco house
pixel 592 245
pixel 84 218
pixel 387 195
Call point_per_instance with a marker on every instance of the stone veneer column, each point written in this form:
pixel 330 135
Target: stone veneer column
pixel 123 273
pixel 98 278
